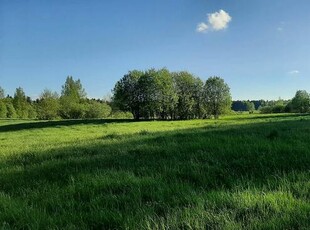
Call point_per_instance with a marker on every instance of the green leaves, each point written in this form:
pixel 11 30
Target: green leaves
pixel 164 95
pixel 301 102
pixel 217 96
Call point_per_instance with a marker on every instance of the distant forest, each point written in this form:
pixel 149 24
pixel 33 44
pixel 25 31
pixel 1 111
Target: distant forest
pixel 151 94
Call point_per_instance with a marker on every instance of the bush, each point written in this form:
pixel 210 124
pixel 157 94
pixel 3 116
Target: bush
pixel 70 109
pixel 96 109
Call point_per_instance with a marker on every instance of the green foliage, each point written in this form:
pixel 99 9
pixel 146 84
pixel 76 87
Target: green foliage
pixel 301 102
pixel 148 94
pixel 161 94
pixel 237 172
pixel 20 103
pixel 32 113
pixel 71 109
pixel 96 109
pixel 48 105
pixel 185 84
pixel 11 113
pixel 217 96
pixel 199 107
pixel 151 94
pixel 250 106
pixel 167 97
pixel 3 109
pixel 73 89
pixel 72 96
pixel 126 93
pixel 273 109
pixel 266 109
pixel 117 114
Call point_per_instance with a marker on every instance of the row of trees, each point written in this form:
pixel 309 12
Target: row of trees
pixel 300 103
pixel 71 104
pixel 147 94
pixel 262 106
pixel 171 95
pixel 19 106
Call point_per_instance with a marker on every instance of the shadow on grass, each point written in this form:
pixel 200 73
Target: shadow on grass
pixel 274 116
pixel 155 172
pixel 51 124
pixel 221 155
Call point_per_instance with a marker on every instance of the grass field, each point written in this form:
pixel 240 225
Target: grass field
pixel 239 172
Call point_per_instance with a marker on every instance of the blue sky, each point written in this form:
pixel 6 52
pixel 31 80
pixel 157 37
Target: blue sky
pixel 260 47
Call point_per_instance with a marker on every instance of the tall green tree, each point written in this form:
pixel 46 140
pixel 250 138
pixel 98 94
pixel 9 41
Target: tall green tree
pixel 185 85
pixel 217 96
pixel 167 97
pixel 301 102
pixel 148 94
pixel 199 108
pixel 73 89
pixel 11 112
pixel 71 100
pixel 48 105
pixel 249 106
pixel 20 103
pixel 3 109
pixel 126 93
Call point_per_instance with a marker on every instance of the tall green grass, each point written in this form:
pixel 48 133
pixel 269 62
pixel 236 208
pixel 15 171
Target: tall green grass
pixel 239 172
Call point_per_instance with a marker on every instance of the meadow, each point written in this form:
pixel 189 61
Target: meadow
pixel 238 172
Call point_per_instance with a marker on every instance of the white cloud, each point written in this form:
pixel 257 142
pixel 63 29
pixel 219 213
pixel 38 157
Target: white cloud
pixel 202 27
pixel 216 21
pixel 294 72
pixel 219 20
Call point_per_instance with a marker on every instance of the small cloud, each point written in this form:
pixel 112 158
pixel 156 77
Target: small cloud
pixel 279 29
pixel 219 20
pixel 294 72
pixel 202 27
pixel 216 21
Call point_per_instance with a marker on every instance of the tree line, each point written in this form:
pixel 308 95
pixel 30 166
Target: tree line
pixel 72 103
pixel 161 94
pixel 300 103
pixel 150 94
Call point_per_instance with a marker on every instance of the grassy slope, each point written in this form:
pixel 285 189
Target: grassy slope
pixel 250 172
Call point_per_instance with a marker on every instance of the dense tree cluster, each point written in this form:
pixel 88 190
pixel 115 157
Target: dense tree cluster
pixel 164 95
pixel 278 106
pixel 71 104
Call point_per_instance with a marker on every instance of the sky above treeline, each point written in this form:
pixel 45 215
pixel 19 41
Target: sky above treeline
pixel 260 47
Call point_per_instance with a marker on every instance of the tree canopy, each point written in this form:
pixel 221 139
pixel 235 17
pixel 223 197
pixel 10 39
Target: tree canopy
pixel 48 105
pixel 217 96
pixel 73 89
pixel 301 101
pixel 165 95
